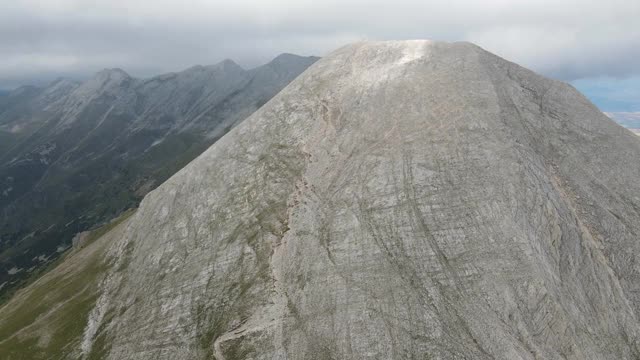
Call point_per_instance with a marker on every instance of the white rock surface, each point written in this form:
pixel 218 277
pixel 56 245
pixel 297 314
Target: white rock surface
pixel 398 200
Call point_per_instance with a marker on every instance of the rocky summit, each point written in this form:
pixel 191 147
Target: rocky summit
pixel 398 200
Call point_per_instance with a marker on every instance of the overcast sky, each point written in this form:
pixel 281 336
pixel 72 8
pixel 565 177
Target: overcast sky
pixel 593 43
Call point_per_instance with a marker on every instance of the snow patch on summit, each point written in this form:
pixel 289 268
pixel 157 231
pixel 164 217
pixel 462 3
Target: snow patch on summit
pixel 413 50
pixel 384 60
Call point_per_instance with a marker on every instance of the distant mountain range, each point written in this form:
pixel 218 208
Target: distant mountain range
pixel 74 155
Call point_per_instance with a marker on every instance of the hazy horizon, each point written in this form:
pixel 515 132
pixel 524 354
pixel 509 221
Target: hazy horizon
pixel 44 40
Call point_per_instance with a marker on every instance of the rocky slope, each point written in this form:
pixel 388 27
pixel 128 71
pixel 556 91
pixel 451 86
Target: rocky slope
pixel 630 120
pixel 398 200
pixel 74 155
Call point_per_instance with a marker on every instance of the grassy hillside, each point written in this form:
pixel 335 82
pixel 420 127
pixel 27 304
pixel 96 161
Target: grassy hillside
pixel 46 319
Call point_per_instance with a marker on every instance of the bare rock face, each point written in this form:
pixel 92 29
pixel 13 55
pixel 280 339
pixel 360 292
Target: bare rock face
pixel 398 200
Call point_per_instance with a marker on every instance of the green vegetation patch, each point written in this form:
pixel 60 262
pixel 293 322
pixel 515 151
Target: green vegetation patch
pixel 46 320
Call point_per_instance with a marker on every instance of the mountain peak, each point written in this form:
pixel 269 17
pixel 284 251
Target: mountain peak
pixel 226 65
pixel 112 74
pixel 106 81
pixel 285 57
pixel 400 52
pixel 288 59
pixel 400 190
pixel 285 64
pixel 229 63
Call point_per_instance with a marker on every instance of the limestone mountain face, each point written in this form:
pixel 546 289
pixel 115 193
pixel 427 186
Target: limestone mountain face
pixel 73 155
pixel 397 200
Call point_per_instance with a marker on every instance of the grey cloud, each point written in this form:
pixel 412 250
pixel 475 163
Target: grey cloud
pixel 566 39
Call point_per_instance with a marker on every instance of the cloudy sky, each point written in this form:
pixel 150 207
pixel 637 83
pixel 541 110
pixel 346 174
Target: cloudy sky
pixel 594 44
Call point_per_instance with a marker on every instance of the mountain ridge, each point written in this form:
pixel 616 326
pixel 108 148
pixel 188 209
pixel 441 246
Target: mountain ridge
pixel 112 132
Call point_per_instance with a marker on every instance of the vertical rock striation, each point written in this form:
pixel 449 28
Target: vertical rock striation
pixel 398 200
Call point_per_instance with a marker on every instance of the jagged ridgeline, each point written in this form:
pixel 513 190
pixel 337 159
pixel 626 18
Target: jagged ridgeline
pixel 398 200
pixel 75 155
